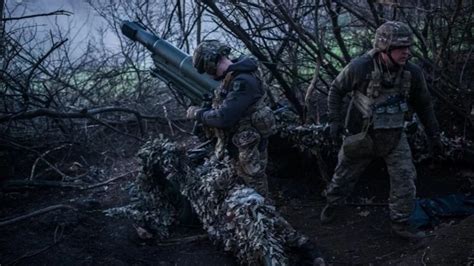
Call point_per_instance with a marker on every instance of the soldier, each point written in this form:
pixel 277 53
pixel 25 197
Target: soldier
pixel 242 123
pixel 384 86
pixel 240 118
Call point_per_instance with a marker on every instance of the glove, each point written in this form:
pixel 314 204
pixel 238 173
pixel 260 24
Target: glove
pixel 192 111
pixel 335 132
pixel 437 146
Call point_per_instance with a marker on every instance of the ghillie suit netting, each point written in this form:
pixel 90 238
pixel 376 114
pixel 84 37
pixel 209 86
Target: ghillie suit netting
pixel 152 199
pixel 235 217
pixel 312 139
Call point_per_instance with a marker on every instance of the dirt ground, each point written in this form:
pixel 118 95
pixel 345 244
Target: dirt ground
pixel 361 236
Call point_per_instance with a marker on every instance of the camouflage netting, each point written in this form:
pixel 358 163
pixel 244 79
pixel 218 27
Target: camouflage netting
pixel 152 198
pixel 455 149
pixel 312 138
pixel 305 137
pixel 236 217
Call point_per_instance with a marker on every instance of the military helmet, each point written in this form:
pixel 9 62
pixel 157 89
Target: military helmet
pixel 392 34
pixel 207 54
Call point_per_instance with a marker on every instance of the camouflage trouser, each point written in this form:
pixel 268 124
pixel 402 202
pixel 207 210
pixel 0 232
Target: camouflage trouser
pixel 402 178
pixel 252 160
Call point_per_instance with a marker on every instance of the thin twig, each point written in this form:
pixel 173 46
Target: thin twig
pixel 59 184
pixel 309 93
pixel 387 255
pixel 350 204
pixel 31 254
pixel 84 113
pixel 57 236
pixel 202 145
pixel 183 240
pixel 39 183
pixel 41 157
pixel 107 125
pixel 165 110
pixel 63 175
pixel 423 258
pixel 108 181
pixel 40 60
pixel 367 204
pixel 54 13
pixel 180 129
pixel 35 213
pixel 56 240
pixel 464 65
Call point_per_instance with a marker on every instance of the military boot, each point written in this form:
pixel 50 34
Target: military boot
pixel 328 213
pixel 404 230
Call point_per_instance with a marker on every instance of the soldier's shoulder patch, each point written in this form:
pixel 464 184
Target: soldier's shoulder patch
pixel 237 85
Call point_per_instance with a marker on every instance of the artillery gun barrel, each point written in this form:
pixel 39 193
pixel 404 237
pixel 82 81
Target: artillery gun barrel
pixel 171 60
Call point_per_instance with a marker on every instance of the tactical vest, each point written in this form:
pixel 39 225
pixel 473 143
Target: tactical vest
pixel 382 107
pixel 258 117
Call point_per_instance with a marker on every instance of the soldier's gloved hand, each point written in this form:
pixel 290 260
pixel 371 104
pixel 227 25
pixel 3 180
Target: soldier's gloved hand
pixel 192 112
pixel 335 131
pixel 437 146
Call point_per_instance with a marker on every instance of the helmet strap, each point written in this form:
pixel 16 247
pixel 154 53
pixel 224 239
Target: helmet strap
pixel 392 62
pixel 391 58
pixel 211 67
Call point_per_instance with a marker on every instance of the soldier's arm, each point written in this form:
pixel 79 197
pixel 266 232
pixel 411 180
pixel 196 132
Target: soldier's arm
pixel 342 85
pixel 244 92
pixel 422 103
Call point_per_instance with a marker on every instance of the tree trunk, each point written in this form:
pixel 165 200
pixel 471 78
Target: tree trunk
pixel 2 34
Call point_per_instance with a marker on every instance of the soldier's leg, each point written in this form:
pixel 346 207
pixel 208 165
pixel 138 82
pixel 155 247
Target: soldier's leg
pixel 258 179
pixel 252 165
pixel 345 176
pixel 258 182
pixel 262 147
pixel 299 242
pixel 402 181
pixel 262 175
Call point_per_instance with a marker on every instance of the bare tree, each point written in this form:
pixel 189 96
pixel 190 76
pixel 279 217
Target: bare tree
pixel 51 95
pixel 291 37
pixel 2 30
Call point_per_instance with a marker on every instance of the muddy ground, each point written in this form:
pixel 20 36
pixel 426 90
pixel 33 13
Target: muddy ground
pixel 361 236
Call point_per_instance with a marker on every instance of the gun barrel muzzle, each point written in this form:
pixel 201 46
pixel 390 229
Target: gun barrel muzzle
pixel 130 29
pixel 175 66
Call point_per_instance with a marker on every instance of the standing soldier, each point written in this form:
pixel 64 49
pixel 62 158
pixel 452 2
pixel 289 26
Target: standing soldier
pixel 384 87
pixel 239 116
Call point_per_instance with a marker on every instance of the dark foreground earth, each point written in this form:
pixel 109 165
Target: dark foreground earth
pixel 360 236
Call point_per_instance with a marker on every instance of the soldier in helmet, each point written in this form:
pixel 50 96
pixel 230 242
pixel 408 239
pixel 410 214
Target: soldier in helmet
pixel 242 123
pixel 240 117
pixel 383 86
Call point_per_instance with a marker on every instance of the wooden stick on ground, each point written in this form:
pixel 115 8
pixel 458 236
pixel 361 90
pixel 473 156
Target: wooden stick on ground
pixel 375 204
pixel 35 213
pixel 12 184
pixel 57 238
pixel 20 183
pixel 42 157
pixel 183 240
pixel 108 181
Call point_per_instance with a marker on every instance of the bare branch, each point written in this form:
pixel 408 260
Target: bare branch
pixel 54 13
pixel 35 213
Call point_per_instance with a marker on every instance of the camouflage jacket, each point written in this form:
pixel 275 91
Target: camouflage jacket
pixel 357 75
pixel 243 91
